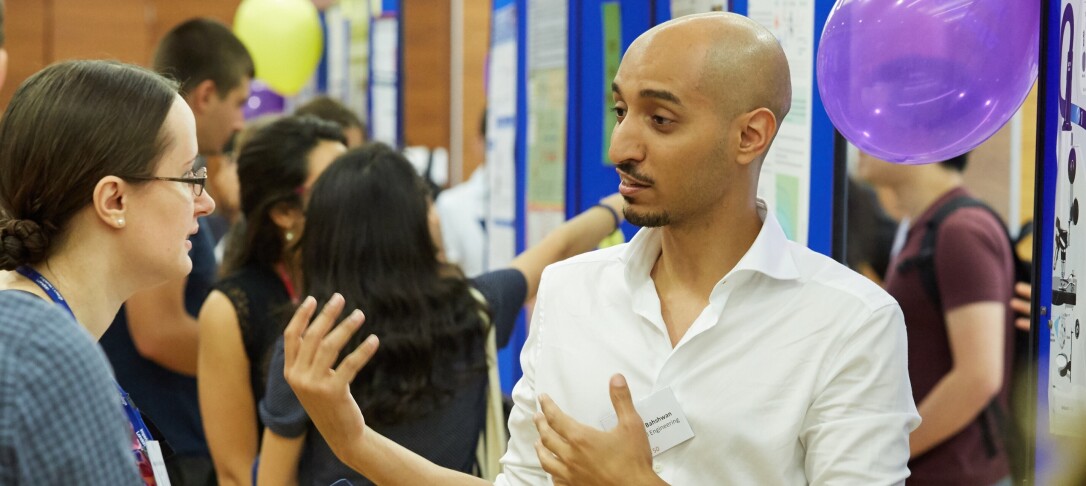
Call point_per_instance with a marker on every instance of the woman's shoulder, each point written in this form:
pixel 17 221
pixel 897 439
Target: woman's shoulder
pixel 26 318
pixel 45 344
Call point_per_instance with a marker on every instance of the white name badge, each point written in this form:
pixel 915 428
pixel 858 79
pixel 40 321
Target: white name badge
pixel 665 422
pixel 158 464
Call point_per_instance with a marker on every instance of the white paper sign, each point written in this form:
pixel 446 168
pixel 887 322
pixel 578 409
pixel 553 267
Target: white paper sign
pixel 158 464
pixel 665 422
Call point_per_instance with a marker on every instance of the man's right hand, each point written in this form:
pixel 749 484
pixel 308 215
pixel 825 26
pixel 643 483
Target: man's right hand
pixel 310 351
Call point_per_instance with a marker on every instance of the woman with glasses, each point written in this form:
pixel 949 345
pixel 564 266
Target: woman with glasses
pixel 368 235
pixel 247 311
pixel 99 196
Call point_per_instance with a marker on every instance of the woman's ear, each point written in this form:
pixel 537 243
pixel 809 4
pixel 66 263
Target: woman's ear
pixel 285 216
pixel 110 200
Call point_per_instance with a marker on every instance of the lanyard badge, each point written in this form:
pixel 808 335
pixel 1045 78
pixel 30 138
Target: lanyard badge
pixel 147 451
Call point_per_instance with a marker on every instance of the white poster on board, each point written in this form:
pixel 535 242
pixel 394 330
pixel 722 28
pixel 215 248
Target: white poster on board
pixel 384 89
pixel 785 182
pixel 1067 354
pixel 680 8
pixel 501 138
pixel 548 59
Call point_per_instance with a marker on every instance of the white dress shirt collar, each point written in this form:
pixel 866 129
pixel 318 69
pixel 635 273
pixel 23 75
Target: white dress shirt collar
pixel 768 254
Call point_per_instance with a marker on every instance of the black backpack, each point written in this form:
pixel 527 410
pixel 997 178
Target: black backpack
pixel 994 415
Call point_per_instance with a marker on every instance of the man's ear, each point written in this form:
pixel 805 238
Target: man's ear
pixel 756 131
pixel 110 200
pixel 202 96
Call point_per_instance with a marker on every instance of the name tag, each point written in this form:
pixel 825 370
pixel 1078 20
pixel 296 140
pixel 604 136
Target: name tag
pixel 665 423
pixel 158 464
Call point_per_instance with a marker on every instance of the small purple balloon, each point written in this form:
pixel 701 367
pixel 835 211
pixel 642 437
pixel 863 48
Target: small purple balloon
pixel 262 101
pixel 921 81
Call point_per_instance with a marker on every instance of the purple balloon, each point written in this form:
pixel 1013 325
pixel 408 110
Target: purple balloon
pixel 262 101
pixel 920 81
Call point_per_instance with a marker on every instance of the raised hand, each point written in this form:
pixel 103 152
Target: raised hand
pixel 310 352
pixel 574 453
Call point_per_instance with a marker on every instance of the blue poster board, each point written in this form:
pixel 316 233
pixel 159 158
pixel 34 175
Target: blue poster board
pixel 589 177
pixel 1050 124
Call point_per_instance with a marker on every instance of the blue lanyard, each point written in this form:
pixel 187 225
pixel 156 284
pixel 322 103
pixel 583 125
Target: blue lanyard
pixel 143 434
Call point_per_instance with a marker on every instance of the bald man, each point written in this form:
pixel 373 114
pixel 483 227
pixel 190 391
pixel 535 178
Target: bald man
pixel 751 359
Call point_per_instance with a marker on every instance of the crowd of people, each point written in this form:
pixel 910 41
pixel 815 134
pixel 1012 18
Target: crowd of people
pixel 196 299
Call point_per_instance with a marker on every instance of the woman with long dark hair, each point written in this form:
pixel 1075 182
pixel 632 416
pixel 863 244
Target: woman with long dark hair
pixel 247 310
pixel 98 197
pixel 368 237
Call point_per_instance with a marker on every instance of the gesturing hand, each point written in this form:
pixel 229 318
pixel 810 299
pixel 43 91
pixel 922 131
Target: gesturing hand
pixel 310 351
pixel 574 453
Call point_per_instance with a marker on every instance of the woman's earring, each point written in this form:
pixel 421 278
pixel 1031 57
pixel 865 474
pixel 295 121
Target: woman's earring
pixel 289 236
pixel 120 222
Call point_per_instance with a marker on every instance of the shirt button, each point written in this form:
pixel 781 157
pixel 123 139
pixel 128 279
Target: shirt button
pixel 657 467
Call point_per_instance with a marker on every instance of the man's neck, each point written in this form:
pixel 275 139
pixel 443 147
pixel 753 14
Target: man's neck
pixel 916 195
pixel 696 254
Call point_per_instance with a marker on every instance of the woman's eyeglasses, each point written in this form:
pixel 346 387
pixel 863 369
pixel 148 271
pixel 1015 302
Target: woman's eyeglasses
pixel 196 177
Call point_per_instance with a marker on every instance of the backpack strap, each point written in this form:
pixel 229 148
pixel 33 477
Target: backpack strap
pixel 924 262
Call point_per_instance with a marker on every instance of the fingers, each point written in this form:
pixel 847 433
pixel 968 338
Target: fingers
pixel 332 344
pixel 312 337
pixel 1020 306
pixel 551 439
pixel 556 418
pixel 353 363
pixel 551 463
pixel 1022 324
pixel 1023 290
pixel 623 402
pixel 293 332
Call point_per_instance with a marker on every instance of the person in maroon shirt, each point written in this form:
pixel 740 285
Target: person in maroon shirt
pixel 961 344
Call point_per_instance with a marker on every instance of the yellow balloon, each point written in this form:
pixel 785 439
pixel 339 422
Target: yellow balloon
pixel 284 39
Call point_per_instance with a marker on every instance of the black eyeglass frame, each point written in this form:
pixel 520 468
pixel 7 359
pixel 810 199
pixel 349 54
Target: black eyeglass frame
pixel 199 182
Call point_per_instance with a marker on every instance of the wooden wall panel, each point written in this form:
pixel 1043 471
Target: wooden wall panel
pixel 476 47
pixel 40 32
pixel 425 70
pixel 168 13
pixel 988 174
pixel 102 29
pixel 25 24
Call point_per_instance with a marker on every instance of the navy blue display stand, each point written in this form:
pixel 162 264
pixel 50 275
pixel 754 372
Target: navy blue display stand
pixel 1052 64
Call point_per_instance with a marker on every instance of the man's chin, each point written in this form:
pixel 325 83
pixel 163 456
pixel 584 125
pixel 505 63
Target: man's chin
pixel 646 219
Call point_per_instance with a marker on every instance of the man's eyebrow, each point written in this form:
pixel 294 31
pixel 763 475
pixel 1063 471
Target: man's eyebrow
pixel 651 93
pixel 661 95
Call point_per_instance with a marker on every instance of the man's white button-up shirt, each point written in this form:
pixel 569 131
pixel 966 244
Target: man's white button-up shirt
pixel 794 373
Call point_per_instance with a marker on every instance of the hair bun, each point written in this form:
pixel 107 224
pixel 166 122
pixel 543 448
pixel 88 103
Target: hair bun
pixel 21 242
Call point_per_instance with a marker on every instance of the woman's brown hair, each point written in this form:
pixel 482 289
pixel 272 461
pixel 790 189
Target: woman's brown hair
pixel 66 128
